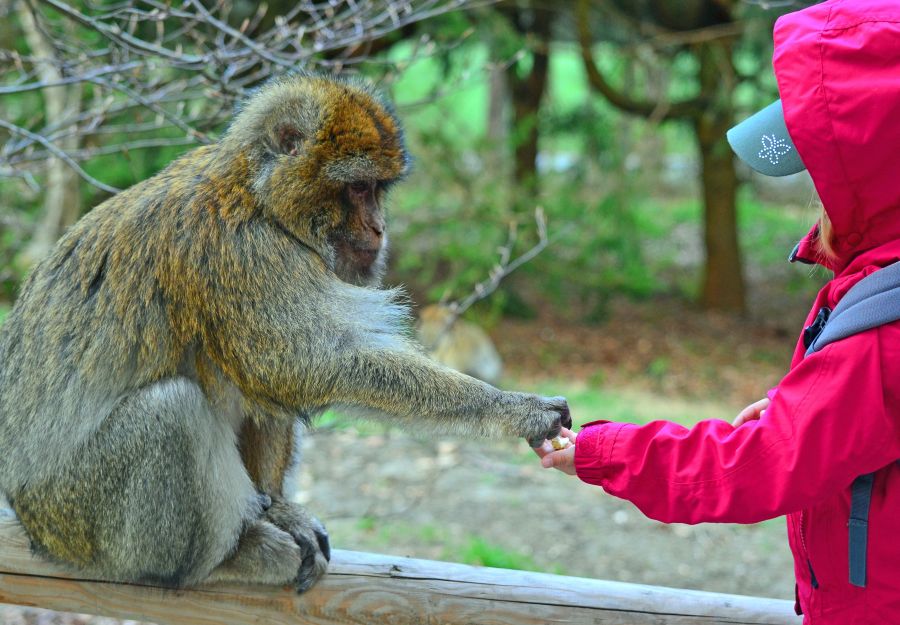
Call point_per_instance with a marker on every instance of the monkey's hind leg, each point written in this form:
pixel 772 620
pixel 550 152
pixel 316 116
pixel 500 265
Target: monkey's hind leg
pixel 158 495
pixel 267 449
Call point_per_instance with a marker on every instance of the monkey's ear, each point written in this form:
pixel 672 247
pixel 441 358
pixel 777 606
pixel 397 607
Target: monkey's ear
pixel 288 140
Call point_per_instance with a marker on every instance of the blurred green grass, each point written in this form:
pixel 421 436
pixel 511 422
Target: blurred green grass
pixel 466 548
pixel 481 552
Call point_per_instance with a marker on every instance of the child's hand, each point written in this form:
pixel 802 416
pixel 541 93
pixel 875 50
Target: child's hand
pixel 752 412
pixel 564 459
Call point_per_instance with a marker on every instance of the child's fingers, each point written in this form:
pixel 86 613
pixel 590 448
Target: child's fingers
pixel 568 434
pixel 751 412
pixel 742 417
pixel 551 460
pixel 564 460
pixel 545 448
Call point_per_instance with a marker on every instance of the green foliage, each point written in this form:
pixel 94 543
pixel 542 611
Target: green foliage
pixel 451 218
pixel 455 116
pixel 14 223
pixel 333 420
pixel 611 223
pixel 124 169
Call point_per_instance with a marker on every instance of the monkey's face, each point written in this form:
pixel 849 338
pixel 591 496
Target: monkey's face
pixel 359 241
pixel 332 149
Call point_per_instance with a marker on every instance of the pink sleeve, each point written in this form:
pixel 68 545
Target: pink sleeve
pixel 830 421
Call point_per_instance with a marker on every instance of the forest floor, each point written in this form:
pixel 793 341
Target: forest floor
pixel 488 502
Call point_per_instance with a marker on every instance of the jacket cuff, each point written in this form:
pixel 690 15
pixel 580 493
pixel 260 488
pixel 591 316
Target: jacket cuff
pixel 594 448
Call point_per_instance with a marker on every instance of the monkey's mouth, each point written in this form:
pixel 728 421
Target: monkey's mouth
pixel 360 264
pixel 365 257
pixel 361 255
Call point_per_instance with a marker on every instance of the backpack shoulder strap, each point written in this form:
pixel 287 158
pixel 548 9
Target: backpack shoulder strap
pixel 873 301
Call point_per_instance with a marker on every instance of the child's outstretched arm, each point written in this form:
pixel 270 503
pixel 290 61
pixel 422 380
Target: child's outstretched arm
pixel 831 420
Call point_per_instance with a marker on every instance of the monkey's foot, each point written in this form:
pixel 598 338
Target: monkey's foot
pixel 309 534
pixel 265 554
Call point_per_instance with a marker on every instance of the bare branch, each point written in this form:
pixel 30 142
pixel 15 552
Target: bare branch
pixel 116 34
pixel 158 73
pixel 225 28
pixel 498 273
pixel 69 80
pixel 59 154
pixel 661 110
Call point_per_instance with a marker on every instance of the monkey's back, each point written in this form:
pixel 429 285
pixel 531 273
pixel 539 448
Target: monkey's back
pixel 90 323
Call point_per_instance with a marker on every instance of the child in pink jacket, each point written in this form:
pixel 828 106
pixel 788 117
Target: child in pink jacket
pixel 836 414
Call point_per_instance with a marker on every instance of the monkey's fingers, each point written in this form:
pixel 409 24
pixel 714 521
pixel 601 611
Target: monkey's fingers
pixel 565 415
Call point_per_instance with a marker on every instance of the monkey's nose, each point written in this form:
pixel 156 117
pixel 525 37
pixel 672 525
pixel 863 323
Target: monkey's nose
pixel 376 226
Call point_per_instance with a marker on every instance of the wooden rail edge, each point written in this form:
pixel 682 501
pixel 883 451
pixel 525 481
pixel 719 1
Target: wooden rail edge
pixel 364 588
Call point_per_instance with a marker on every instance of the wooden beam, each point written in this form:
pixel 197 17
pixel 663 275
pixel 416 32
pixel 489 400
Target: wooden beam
pixel 363 588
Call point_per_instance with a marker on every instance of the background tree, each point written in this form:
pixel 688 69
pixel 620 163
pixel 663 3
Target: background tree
pixel 707 31
pixel 532 23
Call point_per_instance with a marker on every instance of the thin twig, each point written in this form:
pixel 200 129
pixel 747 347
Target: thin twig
pixel 183 62
pixel 59 154
pixel 498 273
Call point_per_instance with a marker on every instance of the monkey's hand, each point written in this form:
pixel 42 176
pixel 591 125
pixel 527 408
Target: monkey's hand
pixel 309 534
pixel 541 418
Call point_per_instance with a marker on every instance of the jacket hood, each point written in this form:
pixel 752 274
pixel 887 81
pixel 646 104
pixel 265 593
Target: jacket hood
pixel 838 70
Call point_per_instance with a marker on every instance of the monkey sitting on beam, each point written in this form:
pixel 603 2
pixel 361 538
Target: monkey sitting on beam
pixel 154 365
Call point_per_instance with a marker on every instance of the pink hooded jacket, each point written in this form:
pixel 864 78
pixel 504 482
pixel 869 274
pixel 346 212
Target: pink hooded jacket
pixel 836 414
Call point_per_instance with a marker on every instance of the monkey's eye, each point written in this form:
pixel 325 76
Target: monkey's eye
pixel 360 187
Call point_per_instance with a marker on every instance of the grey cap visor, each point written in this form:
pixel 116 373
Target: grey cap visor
pixel 762 141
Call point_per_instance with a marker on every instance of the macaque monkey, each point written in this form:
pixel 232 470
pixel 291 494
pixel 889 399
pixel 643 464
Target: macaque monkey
pixel 155 364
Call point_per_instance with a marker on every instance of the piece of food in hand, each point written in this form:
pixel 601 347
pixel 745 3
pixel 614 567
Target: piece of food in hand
pixel 560 442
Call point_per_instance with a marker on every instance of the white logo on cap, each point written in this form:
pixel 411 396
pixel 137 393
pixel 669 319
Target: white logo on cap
pixel 773 148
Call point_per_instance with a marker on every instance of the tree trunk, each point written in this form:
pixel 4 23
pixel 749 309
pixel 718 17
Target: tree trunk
pixel 62 205
pixel 498 118
pixel 723 279
pixel 527 91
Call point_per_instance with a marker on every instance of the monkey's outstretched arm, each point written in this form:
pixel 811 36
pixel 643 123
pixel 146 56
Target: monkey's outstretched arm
pixel 304 370
pixel 410 386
